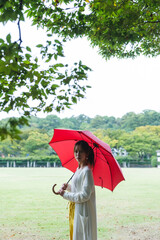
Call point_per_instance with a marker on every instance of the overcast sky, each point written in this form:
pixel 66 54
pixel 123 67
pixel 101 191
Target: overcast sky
pixel 118 86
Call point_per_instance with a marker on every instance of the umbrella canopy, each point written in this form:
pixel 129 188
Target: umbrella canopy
pixel 106 171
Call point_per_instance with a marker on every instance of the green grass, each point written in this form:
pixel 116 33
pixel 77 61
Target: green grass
pixel 29 210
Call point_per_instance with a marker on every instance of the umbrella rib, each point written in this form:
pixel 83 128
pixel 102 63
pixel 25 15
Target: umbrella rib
pixel 65 140
pixel 68 161
pixel 82 134
pixel 92 141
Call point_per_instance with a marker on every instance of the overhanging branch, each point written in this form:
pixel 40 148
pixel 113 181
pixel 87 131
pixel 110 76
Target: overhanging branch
pixel 19 27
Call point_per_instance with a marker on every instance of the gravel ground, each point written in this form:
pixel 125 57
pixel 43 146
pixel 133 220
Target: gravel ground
pixel 139 232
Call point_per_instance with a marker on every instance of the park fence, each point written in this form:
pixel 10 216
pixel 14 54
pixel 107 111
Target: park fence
pixel 49 161
pixel 54 161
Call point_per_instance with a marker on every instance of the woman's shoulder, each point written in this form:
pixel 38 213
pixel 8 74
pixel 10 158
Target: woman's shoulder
pixel 86 169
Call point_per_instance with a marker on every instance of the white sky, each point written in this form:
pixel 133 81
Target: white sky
pixel 118 86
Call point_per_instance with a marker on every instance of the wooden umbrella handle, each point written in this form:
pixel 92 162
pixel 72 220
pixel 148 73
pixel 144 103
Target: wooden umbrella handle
pixel 57 193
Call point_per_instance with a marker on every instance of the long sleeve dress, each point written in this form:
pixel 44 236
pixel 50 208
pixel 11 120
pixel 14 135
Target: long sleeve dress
pixel 83 194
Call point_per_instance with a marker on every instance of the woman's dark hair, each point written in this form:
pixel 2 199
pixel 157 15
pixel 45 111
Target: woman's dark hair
pixel 87 149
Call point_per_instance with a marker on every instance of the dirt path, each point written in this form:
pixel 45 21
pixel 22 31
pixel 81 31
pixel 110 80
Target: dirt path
pixel 135 232
pixel 139 232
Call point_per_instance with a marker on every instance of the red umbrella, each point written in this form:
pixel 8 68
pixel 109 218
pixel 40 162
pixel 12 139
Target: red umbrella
pixel 106 171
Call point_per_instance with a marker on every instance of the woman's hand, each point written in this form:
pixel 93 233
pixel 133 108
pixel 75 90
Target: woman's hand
pixel 61 192
pixel 64 186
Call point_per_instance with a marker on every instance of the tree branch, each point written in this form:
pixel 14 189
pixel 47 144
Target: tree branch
pixel 19 27
pixel 158 21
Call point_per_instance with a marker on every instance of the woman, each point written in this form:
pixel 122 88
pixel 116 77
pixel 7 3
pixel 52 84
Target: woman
pixel 82 193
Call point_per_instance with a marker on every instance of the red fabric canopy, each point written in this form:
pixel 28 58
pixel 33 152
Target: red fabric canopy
pixel 106 172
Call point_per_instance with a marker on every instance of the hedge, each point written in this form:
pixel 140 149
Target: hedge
pixel 39 160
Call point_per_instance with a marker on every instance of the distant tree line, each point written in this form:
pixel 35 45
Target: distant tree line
pixel 134 137
pixel 128 122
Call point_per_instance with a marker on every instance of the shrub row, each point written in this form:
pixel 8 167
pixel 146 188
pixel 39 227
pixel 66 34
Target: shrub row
pixel 53 158
pixel 131 161
pixel 22 161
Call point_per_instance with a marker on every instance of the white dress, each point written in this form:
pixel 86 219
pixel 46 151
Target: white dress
pixel 82 192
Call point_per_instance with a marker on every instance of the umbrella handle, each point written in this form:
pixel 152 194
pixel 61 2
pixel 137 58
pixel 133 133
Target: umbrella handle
pixel 57 193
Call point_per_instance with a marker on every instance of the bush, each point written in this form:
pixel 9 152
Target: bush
pixel 122 159
pixel 22 161
pixel 154 161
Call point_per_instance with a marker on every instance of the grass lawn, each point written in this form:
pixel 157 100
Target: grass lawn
pixel 30 211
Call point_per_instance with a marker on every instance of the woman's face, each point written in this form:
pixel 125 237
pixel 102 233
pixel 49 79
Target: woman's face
pixel 80 155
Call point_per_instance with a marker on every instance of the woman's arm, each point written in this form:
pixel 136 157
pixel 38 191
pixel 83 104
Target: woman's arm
pixel 87 189
pixel 68 187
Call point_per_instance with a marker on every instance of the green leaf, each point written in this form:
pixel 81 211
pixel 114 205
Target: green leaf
pixel 57 41
pixel 39 45
pixel 26 62
pixel 8 38
pixel 58 65
pixel 28 56
pixel 74 99
pixel 28 49
pixel 54 86
pixel 44 83
pixel 1 40
pixel 55 56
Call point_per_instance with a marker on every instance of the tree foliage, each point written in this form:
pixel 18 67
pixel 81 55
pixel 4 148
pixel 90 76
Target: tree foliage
pixel 27 82
pixel 126 28
pixel 140 143
pixel 120 28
